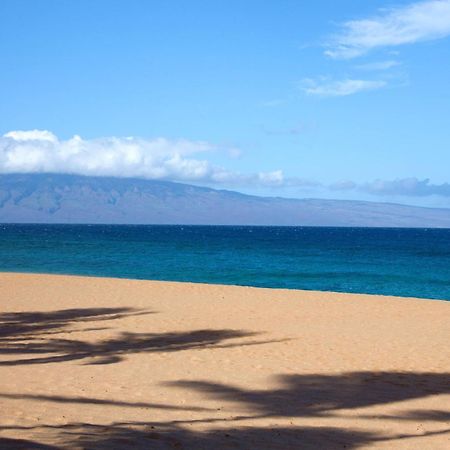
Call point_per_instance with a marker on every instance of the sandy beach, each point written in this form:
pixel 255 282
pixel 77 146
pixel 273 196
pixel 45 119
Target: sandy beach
pixel 89 363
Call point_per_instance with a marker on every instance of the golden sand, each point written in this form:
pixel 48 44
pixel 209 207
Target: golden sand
pixel 103 363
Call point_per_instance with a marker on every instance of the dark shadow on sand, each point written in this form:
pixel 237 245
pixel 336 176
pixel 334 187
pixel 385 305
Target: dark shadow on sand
pixel 99 402
pixel 33 325
pixel 35 337
pixel 166 436
pixel 24 444
pixel 123 436
pixel 306 396
pixel 320 395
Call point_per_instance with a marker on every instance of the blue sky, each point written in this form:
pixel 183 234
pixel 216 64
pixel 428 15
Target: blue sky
pixel 332 99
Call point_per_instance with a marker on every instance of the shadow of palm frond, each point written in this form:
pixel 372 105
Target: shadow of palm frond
pixel 32 334
pixel 416 415
pixel 314 395
pixel 138 436
pixel 24 444
pixel 98 402
pixel 163 436
pixel 295 396
pixel 31 325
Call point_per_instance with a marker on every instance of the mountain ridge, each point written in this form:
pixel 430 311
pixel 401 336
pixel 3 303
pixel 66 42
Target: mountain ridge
pixel 63 198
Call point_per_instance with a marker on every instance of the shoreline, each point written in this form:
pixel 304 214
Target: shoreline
pixel 338 293
pixel 93 362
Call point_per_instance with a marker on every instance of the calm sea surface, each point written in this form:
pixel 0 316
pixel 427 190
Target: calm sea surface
pixel 405 262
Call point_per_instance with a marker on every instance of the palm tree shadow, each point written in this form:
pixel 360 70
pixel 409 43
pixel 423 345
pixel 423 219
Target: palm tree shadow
pixel 319 395
pixel 23 444
pixel 148 436
pixel 35 335
pixel 35 338
pixel 33 325
pixel 305 396
pixel 163 436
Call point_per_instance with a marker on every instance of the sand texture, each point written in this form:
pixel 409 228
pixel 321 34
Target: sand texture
pixel 96 363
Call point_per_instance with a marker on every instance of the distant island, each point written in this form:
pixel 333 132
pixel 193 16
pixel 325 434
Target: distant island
pixel 59 198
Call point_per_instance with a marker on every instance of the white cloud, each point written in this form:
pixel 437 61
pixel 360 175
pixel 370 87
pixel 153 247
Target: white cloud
pixel 41 151
pixel 326 88
pixel 421 21
pixel 32 135
pixel 177 160
pixel 275 178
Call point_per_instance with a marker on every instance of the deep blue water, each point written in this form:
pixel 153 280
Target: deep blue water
pixel 405 262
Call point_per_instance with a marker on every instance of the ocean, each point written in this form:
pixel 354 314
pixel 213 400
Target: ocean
pixel 403 262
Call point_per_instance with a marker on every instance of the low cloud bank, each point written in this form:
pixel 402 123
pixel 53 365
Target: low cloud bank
pixel 38 151
pixel 408 187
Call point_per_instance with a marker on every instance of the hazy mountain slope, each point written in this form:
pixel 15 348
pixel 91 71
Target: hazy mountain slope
pixel 55 198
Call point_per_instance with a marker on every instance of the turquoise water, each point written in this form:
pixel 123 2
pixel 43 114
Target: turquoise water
pixel 405 262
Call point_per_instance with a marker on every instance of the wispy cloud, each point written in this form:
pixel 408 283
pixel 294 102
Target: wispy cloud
pixel 408 187
pixel 294 130
pixel 337 88
pixel 378 65
pixel 421 21
pixel 273 103
pixel 345 185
